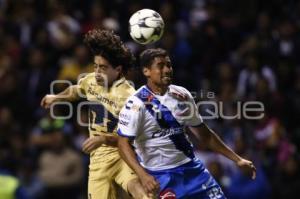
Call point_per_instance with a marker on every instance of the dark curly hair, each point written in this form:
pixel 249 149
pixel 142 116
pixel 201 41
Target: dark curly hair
pixel 107 44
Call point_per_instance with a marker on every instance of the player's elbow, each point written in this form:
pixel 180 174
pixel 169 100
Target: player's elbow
pixel 203 136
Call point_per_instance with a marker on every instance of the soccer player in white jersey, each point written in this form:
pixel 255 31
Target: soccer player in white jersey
pixel 154 120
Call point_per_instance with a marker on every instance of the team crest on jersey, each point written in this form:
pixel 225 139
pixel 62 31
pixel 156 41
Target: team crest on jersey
pixel 149 98
pixel 130 106
pixel 167 194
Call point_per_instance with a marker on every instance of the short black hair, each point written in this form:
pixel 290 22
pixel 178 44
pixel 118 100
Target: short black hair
pixel 148 55
pixel 109 45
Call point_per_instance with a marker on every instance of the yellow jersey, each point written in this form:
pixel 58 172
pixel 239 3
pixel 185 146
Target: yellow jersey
pixel 104 107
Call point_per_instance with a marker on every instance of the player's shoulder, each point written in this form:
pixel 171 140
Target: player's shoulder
pixel 124 87
pixel 180 91
pixel 87 77
pixel 125 84
pixel 133 104
pixel 134 97
pixel 178 88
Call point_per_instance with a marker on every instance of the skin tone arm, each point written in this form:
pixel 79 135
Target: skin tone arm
pixel 149 183
pixel 93 143
pixel 212 141
pixel 70 94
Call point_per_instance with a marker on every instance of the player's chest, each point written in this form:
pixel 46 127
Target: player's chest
pixel 110 98
pixel 169 106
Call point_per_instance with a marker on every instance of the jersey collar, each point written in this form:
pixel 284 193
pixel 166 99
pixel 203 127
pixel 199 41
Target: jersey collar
pixel 149 89
pixel 118 82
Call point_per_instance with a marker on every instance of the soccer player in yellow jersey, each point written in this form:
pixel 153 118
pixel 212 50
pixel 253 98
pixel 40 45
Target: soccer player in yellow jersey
pixel 106 91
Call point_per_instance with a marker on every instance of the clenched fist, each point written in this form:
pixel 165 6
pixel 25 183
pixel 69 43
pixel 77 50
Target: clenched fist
pixel 92 143
pixel 48 100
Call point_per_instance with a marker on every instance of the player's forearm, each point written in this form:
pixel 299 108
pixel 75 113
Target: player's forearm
pixel 129 156
pixel 110 140
pixel 69 94
pixel 216 144
pixel 211 140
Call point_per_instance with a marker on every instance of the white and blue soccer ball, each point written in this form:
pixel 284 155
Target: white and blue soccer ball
pixel 146 26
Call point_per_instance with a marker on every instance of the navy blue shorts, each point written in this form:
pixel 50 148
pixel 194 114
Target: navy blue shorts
pixel 188 181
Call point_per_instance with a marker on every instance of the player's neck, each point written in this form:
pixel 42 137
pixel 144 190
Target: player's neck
pixel 157 90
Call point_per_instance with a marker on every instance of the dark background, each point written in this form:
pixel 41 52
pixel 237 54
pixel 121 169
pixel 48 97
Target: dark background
pixel 238 51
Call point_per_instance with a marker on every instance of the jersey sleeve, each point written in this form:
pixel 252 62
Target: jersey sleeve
pixel 82 85
pixel 195 119
pixel 130 118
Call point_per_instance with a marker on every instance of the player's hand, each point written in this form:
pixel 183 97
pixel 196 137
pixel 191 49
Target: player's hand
pixel 92 143
pixel 48 100
pixel 247 167
pixel 150 184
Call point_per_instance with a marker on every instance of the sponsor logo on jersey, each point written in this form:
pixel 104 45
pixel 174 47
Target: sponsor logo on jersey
pixel 123 122
pixel 167 194
pixel 130 106
pixel 165 132
pixel 124 116
pixel 102 99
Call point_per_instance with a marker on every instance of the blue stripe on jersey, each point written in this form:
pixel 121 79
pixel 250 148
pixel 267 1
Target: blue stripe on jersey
pixel 161 113
pixel 165 119
pixel 123 135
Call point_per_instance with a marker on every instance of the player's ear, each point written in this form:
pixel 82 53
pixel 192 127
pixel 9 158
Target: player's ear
pixel 146 71
pixel 119 69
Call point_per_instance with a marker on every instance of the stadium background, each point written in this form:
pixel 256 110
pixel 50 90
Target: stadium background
pixel 237 50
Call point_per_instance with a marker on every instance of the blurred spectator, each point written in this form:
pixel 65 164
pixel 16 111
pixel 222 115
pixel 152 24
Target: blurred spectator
pixel 37 77
pixel 287 181
pixel 11 187
pixel 242 187
pixel 229 52
pixel 61 169
pixel 72 67
pixel 31 182
pixel 41 134
pixel 269 135
pixel 95 17
pixel 249 76
pixel 62 27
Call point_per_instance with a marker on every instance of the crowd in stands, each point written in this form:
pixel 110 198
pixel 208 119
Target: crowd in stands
pixel 226 52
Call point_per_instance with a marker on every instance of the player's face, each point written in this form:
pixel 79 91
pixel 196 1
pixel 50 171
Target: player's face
pixel 104 72
pixel 160 72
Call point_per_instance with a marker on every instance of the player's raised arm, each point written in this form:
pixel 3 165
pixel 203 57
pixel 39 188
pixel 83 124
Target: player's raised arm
pixel 208 137
pixel 69 94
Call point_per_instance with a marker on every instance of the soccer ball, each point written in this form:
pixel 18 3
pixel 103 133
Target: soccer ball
pixel 146 26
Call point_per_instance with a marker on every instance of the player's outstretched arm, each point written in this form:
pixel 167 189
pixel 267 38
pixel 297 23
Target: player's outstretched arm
pixel 208 137
pixel 149 183
pixel 69 94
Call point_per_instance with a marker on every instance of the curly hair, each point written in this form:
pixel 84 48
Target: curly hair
pixel 107 44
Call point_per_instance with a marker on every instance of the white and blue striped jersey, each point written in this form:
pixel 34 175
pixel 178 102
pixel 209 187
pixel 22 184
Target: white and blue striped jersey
pixel 156 124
